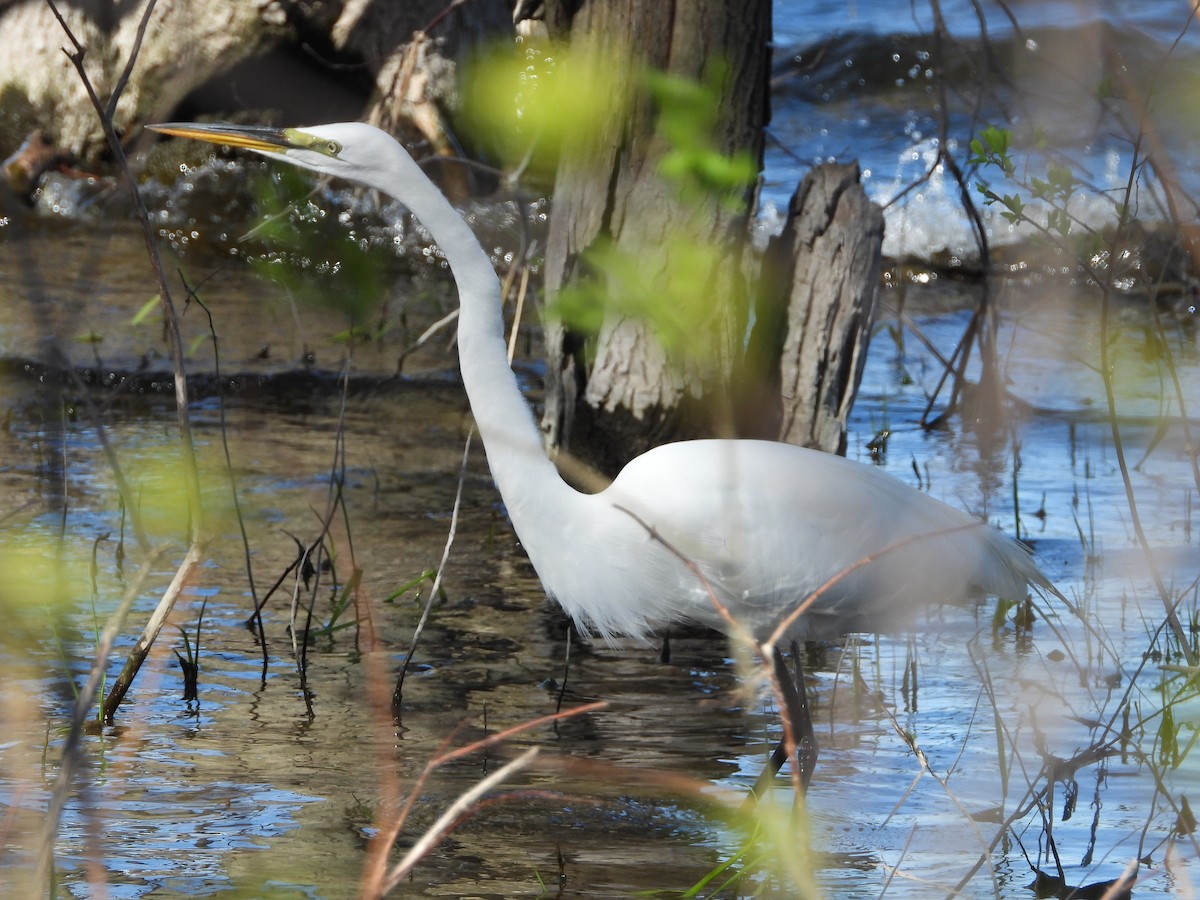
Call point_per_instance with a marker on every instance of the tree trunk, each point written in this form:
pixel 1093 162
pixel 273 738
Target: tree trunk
pixel 614 395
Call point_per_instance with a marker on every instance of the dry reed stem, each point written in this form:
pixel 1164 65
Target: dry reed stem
pixel 782 628
pixel 375 879
pixel 435 588
pixel 141 649
pixel 191 471
pixel 434 834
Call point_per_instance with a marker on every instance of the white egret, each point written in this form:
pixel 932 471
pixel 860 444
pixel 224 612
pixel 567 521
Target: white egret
pixel 758 527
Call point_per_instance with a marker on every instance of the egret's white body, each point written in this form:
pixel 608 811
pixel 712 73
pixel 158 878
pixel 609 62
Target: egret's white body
pixel 766 523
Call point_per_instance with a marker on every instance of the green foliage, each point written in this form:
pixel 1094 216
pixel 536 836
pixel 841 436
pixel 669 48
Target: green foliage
pixel 1168 740
pixel 159 483
pixel 668 286
pixel 146 310
pixel 414 584
pixel 992 148
pixel 1000 612
pixel 775 844
pixel 1015 206
pixel 1057 187
pixel 1056 190
pixel 687 118
pixel 157 478
pixel 342 602
pixel 41 573
pixel 525 103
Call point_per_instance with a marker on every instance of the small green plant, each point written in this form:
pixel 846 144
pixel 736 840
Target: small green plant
pixel 344 600
pixel 427 575
pixel 773 847
pixel 992 148
pixel 667 289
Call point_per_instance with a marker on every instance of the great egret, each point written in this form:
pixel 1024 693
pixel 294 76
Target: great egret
pixel 735 534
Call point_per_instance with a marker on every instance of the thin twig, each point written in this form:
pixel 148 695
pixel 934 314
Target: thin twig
pixel 783 627
pixel 191 471
pixel 256 615
pixel 447 820
pixel 528 725
pixel 141 649
pixel 435 589
pixel 374 869
pixel 170 316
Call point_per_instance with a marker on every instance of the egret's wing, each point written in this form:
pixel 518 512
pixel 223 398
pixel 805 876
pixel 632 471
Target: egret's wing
pixel 769 524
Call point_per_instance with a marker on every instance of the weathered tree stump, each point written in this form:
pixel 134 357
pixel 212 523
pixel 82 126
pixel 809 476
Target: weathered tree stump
pixel 815 309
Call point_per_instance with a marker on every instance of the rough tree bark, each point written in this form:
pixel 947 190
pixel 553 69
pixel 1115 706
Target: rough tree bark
pixel 611 397
pixel 814 311
pixel 617 395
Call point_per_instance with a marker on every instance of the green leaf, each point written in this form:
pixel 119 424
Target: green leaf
pixel 997 139
pixel 147 309
pixel 688 112
pixel 1059 220
pixel 195 343
pixel 1063 179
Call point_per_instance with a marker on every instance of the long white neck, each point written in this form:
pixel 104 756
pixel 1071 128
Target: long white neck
pixel 533 491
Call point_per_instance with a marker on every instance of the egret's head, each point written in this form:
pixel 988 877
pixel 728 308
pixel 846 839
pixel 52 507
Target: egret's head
pixel 352 150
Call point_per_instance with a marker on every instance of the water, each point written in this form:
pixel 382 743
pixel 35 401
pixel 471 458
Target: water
pixel 270 782
pixel 854 81
pixel 270 786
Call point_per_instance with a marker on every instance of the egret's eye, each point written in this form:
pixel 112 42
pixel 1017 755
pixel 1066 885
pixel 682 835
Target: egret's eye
pixel 298 139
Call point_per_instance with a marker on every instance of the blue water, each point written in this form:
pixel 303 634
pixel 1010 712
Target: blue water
pixel 854 81
pixel 798 22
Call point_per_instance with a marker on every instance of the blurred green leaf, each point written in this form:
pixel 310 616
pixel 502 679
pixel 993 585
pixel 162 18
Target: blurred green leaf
pixel 316 257
pixel 669 287
pixel 688 112
pixel 525 102
pixel 146 310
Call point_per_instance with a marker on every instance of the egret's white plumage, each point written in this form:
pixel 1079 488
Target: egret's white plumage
pixel 766 523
